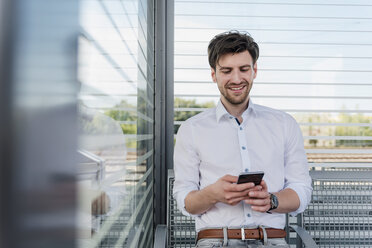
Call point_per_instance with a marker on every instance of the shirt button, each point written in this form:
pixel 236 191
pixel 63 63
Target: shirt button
pixel 241 128
pixel 246 170
pixel 243 147
pixel 248 215
pixel 230 117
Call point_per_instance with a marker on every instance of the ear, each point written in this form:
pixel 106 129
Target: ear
pixel 213 74
pixel 255 70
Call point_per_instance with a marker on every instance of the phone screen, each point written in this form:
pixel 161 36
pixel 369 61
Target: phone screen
pixel 251 177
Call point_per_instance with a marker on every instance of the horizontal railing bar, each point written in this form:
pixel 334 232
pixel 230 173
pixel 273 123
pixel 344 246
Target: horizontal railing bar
pixel 279 30
pixel 290 43
pixel 270 69
pixel 280 83
pixel 281 96
pixel 317 124
pixel 341 165
pixel 332 137
pixel 279 3
pixel 339 137
pixel 279 56
pixel 336 124
pixel 138 137
pixel 291 110
pixel 340 151
pixel 280 17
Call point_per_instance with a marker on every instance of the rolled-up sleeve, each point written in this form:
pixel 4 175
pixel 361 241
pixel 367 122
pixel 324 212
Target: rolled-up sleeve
pixel 186 166
pixel 297 175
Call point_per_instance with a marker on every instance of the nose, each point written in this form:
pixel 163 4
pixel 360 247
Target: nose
pixel 235 77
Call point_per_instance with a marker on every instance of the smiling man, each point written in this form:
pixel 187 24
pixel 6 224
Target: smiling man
pixel 238 136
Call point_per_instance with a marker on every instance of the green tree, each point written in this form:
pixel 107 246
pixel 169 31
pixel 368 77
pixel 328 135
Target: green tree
pixel 184 115
pixel 124 112
pixel 354 130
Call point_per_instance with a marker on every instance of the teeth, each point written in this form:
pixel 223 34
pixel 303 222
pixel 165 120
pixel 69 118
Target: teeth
pixel 237 88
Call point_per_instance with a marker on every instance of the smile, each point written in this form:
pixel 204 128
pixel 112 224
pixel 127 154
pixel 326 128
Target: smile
pixel 237 88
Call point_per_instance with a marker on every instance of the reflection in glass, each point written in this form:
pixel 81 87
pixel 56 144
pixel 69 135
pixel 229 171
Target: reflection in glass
pixel 116 124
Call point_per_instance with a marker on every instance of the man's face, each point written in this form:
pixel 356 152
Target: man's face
pixel 234 76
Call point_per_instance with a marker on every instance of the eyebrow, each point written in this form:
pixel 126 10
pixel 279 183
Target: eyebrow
pixel 229 68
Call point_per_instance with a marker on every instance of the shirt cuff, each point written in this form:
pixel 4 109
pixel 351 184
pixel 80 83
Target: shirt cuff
pixel 304 193
pixel 180 198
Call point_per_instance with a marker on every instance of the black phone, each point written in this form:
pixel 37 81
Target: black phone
pixel 251 177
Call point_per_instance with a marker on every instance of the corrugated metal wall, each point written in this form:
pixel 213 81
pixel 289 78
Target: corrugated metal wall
pixel 314 63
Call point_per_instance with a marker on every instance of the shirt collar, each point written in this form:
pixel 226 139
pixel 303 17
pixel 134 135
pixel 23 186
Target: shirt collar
pixel 221 110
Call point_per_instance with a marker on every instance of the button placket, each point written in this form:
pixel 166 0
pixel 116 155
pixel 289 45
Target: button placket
pixel 246 164
pixel 248 214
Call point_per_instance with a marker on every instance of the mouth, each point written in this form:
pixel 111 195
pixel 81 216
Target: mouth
pixel 237 89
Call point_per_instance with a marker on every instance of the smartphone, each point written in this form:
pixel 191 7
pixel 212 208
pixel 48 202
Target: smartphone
pixel 251 177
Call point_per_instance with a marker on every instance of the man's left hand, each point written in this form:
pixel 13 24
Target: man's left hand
pixel 259 200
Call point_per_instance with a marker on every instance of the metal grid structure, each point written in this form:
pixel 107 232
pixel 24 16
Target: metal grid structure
pixel 339 215
pixel 181 228
pixel 340 212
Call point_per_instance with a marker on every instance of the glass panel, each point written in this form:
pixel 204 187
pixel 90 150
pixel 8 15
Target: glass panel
pixel 116 121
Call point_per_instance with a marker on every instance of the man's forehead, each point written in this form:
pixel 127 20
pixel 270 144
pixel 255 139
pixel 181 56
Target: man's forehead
pixel 228 58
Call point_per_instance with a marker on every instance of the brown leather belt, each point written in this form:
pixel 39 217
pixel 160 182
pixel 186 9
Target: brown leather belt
pixel 237 233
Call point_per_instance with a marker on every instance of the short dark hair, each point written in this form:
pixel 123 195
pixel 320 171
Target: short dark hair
pixel 231 42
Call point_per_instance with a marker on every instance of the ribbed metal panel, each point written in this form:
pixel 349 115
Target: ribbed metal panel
pixel 314 63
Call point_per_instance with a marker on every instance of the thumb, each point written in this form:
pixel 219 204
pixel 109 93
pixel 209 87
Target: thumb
pixel 230 178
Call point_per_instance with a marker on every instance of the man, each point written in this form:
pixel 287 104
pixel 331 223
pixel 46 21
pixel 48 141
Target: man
pixel 215 146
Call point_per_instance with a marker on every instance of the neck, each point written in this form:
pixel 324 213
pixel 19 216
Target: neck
pixel 235 110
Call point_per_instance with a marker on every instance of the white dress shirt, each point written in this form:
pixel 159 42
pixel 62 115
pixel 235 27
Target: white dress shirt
pixel 213 144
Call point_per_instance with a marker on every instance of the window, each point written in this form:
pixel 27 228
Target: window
pixel 116 119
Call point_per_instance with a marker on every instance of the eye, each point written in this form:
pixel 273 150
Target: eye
pixel 225 71
pixel 244 69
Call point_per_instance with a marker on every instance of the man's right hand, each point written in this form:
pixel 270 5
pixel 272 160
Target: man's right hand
pixel 223 190
pixel 227 191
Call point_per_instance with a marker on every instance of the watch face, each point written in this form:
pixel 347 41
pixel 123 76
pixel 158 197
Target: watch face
pixel 274 201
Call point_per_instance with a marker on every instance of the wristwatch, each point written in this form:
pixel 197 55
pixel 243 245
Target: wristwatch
pixel 274 203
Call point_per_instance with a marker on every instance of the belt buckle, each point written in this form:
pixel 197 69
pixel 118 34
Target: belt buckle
pixel 242 233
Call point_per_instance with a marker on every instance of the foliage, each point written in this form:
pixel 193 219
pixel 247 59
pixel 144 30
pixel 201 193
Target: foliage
pixel 354 130
pixel 335 130
pixel 184 115
pixel 124 112
pixel 127 112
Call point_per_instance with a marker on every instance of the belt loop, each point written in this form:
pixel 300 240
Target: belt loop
pixel 264 234
pixel 225 237
pixel 242 233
